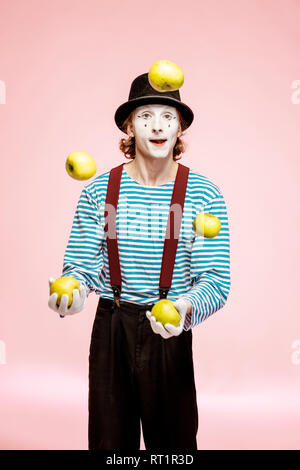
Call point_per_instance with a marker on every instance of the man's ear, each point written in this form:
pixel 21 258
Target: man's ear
pixel 179 132
pixel 129 130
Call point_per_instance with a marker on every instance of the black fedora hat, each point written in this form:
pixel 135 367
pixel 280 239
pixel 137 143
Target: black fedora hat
pixel 141 92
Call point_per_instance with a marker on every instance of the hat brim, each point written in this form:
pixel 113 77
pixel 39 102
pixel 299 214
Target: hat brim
pixel 125 109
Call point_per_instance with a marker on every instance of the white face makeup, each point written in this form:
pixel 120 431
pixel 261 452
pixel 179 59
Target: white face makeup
pixel 156 121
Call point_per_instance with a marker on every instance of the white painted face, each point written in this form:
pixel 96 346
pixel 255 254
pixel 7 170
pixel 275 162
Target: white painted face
pixel 156 121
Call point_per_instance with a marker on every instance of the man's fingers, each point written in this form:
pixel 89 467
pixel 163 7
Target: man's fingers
pixel 52 301
pixel 154 324
pixel 51 279
pixel 164 333
pixel 63 307
pixel 172 329
pixel 76 297
pixel 181 306
pixel 157 327
pixel 82 293
pixel 148 315
pixel 152 320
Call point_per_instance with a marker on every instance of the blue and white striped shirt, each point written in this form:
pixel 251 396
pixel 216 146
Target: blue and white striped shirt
pixel 202 265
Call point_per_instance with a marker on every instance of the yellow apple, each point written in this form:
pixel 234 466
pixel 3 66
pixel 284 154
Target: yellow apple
pixel 80 165
pixel 64 285
pixel 165 75
pixel 165 312
pixel 207 225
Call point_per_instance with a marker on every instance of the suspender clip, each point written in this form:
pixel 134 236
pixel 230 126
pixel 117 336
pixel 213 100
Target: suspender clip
pixel 163 292
pixel 117 295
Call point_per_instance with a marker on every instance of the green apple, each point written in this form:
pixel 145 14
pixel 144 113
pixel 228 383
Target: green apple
pixel 165 75
pixel 165 312
pixel 64 285
pixel 207 225
pixel 80 165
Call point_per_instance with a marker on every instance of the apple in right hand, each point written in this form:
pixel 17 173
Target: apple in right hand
pixel 64 285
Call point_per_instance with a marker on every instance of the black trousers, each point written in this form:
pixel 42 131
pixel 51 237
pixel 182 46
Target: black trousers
pixel 137 377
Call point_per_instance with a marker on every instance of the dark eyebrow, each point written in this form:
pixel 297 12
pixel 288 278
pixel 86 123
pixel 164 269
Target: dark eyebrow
pixel 147 109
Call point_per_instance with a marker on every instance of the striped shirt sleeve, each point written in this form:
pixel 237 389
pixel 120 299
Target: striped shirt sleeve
pixel 83 257
pixel 210 268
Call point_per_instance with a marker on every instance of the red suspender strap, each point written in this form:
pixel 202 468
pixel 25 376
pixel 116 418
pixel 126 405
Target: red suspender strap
pixel 111 203
pixel 173 230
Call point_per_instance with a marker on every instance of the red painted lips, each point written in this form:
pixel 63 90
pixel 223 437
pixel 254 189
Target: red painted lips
pixel 158 141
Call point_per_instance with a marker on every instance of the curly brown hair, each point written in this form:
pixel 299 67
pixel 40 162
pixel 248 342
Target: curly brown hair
pixel 127 146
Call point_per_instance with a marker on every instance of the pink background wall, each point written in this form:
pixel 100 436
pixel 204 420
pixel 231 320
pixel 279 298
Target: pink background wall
pixel 65 67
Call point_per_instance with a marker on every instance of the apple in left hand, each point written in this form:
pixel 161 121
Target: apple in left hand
pixel 164 311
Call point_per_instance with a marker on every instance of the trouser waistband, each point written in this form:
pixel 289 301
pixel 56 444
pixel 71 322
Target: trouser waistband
pixel 103 302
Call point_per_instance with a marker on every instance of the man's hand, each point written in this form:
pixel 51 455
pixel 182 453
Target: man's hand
pixel 77 305
pixel 168 330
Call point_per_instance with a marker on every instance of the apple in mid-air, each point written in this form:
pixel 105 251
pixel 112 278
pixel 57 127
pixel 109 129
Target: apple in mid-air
pixel 207 225
pixel 80 165
pixel 64 285
pixel 165 312
pixel 165 75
